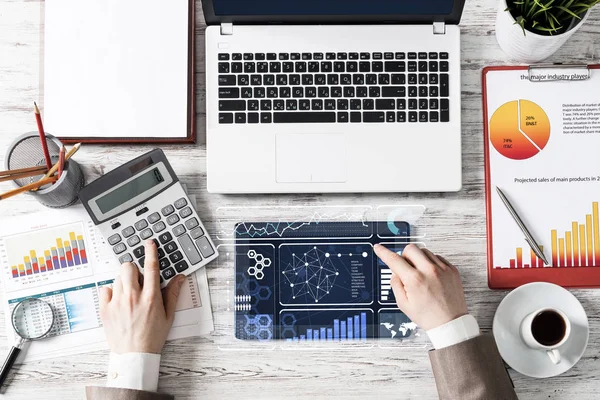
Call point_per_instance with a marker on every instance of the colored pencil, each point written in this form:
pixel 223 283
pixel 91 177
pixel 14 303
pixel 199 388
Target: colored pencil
pixel 34 185
pixel 22 175
pixel 11 172
pixel 55 166
pixel 40 125
pixel 61 161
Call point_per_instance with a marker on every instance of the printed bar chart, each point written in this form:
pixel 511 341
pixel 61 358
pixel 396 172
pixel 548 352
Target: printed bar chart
pixel 579 247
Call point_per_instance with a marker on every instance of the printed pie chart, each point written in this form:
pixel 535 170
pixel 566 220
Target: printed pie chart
pixel 519 129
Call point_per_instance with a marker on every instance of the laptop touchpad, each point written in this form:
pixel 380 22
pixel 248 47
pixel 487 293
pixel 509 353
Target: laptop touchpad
pixel 311 157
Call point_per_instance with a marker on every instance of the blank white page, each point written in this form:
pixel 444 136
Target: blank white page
pixel 116 68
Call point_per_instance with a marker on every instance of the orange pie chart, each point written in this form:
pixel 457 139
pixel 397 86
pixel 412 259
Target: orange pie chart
pixel 519 129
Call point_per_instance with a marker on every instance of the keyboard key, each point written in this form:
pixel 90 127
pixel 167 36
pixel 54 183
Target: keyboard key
pixel 336 91
pixel 159 227
pixel 165 237
pixel 260 93
pixel 186 212
pixel 422 55
pixel 298 92
pixel 269 80
pixel 173 219
pixel 232 105
pixel 311 92
pixel 278 105
pixel 377 56
pixel 433 91
pixel 161 253
pixel 266 105
pixel 385 104
pixel 132 241
pixel 139 252
pixel 412 66
pixel 433 79
pixel 128 231
pixel 423 116
pixel 364 66
pixel 400 56
pixel 333 79
pixel 141 211
pixel 362 91
pixel 401 104
pixel 444 89
pixel 304 117
pixel 349 91
pixel 342 104
pixel 168 273
pixel 284 56
pixel 179 230
pixel 229 93
pixel 119 248
pixel 390 116
pixel 307 56
pixel 393 91
pixel 313 66
pixel 412 104
pixel 358 79
pixel 265 118
pixel 271 56
pixel 141 262
pixel 355 104
pixel 355 117
pixel 444 110
pixel 189 249
pixel 401 116
pixel 318 56
pixel 223 67
pixel 253 118
pixel 240 118
pixel 422 66
pixel 259 56
pixel 374 91
pixel 422 91
pixel 422 79
pixel 412 79
pixel 346 79
pixel 196 233
pixel 249 67
pixel 180 203
pixel 253 105
pixel 248 56
pixel 412 116
pixel 373 117
pixel 237 67
pixel 294 56
pixel 371 79
pixel 114 239
pixel 365 56
pixel 181 266
pixel 339 66
pixel 317 105
pixel 125 258
pixel 320 79
pixel 274 67
pixel 342 56
pixel 205 247
pixel 246 93
pixel 288 67
pixel 444 56
pixel 352 66
pixel 412 91
pixel 377 66
pixel 146 233
pixel 398 79
pixel 170 247
pixel 176 257
pixel 412 56
pixel 444 67
pixel 256 80
pixel 291 105
pixel 301 66
pixel 163 263
pixel 304 105
pixel 368 104
pixel 423 104
pixel 307 79
pixel 433 55
pixel 388 56
pixel 223 56
pixel 167 210
pixel 434 116
pixel 433 104
pixel 433 66
pixel 227 80
pixel 353 56
pixel 395 66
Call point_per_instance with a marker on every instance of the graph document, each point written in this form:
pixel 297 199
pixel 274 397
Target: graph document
pixel 60 257
pixel 317 281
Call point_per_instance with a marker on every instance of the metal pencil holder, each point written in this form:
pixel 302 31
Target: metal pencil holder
pixel 26 151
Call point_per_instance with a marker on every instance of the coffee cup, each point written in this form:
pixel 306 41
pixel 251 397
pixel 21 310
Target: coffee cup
pixel 546 329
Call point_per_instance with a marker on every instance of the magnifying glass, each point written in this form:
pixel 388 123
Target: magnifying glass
pixel 32 319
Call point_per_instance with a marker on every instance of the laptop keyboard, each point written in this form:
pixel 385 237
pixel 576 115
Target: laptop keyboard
pixel 333 88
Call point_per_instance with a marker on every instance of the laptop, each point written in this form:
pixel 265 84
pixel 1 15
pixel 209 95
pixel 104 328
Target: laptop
pixel 324 96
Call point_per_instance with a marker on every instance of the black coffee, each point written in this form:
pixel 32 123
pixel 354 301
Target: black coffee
pixel 548 328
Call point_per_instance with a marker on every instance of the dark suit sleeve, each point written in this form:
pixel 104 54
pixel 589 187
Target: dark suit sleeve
pixel 107 393
pixel 471 370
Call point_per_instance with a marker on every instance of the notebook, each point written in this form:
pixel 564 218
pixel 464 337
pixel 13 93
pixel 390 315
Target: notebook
pixel 542 135
pixel 119 71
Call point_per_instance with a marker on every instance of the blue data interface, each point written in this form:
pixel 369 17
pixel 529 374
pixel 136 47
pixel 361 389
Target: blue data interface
pixel 332 7
pixel 317 282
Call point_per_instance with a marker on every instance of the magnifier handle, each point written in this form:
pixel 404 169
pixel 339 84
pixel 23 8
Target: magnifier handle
pixel 10 360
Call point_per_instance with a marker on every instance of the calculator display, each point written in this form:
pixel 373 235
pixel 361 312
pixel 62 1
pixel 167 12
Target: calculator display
pixel 132 189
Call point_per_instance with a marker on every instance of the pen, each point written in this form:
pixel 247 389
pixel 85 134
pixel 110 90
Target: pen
pixel 528 238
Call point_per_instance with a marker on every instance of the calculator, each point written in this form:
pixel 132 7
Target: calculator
pixel 143 199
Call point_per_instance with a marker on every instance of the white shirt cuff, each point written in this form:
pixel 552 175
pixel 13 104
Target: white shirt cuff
pixel 137 371
pixel 454 332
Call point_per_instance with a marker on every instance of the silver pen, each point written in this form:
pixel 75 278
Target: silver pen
pixel 528 238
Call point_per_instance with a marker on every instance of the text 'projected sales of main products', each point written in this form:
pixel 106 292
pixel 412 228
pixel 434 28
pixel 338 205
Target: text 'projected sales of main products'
pixel 42 256
pixel 519 129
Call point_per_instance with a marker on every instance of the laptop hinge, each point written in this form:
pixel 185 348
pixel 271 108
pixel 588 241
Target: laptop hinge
pixel 226 29
pixel 439 28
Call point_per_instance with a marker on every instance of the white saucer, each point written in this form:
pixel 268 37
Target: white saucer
pixel 525 300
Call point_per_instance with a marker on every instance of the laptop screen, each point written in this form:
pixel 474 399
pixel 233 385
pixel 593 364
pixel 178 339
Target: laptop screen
pixel 332 7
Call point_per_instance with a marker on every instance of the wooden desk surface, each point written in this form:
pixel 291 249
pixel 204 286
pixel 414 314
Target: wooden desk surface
pixel 195 368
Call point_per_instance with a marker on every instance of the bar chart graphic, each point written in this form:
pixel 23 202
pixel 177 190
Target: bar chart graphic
pixel 326 325
pixel 577 247
pixel 45 255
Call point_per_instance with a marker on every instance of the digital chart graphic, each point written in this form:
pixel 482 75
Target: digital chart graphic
pixel 519 129
pixel 394 324
pixel 578 247
pixel 326 325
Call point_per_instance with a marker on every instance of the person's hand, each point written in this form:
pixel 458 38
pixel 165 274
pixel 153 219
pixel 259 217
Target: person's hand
pixel 137 317
pixel 427 287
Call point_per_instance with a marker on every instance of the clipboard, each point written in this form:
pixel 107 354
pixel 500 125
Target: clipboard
pixel 547 87
pixel 146 81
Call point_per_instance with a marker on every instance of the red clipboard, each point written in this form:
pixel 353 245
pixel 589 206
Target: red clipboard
pixel 500 278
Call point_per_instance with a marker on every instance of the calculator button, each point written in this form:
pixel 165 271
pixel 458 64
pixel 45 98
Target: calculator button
pixel 165 237
pixel 138 252
pixel 115 225
pixel 196 233
pixel 141 224
pixel 168 210
pixel 132 241
pixel 179 230
pixel 191 223
pixel 170 247
pixel 182 202
pixel 205 247
pixel 161 253
pixel 168 273
pixel 176 257
pixel 141 211
pixel 189 249
pixel 125 258
pixel 181 266
pixel 128 231
pixel 142 262
pixel 118 249
pixel 173 219
pixel 186 212
pixel 154 217
pixel 163 263
pixel 146 233
pixel 114 239
pixel 159 227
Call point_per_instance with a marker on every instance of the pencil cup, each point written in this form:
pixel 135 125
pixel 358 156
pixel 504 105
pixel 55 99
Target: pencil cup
pixel 26 151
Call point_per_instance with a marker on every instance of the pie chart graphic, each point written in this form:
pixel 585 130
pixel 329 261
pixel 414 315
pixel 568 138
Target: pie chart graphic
pixel 519 129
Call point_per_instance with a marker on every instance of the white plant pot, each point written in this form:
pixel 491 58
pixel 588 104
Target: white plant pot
pixel 531 47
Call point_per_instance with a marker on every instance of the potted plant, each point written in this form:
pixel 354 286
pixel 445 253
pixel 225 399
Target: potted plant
pixel 532 30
